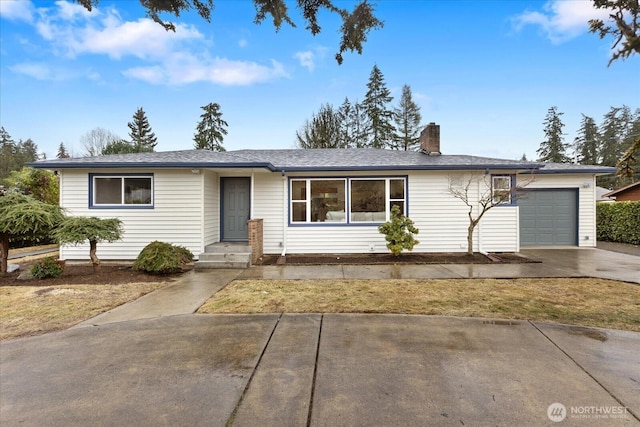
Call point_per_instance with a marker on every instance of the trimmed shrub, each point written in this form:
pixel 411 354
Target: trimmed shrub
pixel 618 222
pixel 399 232
pixel 45 268
pixel 163 258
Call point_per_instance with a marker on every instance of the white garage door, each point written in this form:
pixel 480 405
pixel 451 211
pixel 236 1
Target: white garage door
pixel 548 217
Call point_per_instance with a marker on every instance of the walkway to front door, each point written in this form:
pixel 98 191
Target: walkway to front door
pixel 236 198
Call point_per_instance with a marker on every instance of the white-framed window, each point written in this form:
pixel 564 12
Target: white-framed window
pixel 130 191
pixel 345 200
pixel 501 189
pixel 318 200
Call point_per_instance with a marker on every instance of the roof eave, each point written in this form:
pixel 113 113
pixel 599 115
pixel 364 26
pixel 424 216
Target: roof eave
pixel 519 168
pixel 164 165
pixel 597 172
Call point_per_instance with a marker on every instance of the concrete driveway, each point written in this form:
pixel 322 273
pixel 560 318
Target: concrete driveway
pixel 321 370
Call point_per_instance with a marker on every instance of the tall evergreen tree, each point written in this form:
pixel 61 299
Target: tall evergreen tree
pixel 407 117
pixel 587 143
pixel 361 126
pixel 376 104
pixel 629 163
pixel 62 152
pixel 553 148
pixel 322 131
pixel 347 125
pixel 27 151
pixel 211 129
pixel 142 137
pixel 612 131
pixel 8 152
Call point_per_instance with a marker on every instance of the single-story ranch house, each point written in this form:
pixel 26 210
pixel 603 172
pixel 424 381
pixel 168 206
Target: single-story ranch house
pixel 325 200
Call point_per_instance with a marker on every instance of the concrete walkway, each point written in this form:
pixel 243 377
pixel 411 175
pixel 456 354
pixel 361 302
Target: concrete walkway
pixel 184 296
pixel 189 292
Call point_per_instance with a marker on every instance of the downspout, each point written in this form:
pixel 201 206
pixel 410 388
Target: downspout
pixel 285 211
pixel 478 226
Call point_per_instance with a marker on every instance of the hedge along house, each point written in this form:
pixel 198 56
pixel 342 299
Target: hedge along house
pixel 323 200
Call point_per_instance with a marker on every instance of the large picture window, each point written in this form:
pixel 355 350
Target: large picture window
pixel 345 200
pixel 121 191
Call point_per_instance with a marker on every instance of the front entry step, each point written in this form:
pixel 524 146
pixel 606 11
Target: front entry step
pixel 224 255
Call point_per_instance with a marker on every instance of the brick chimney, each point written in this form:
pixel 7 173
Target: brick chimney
pixel 430 139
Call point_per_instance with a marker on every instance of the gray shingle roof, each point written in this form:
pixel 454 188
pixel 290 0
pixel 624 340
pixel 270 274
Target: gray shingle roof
pixel 311 160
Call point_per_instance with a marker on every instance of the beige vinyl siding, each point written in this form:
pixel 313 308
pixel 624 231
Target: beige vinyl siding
pixel 440 217
pixel 586 185
pixel 211 208
pixel 498 230
pixel 176 217
pixel 269 204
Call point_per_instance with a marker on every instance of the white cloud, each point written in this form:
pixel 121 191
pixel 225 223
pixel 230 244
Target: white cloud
pixel 306 59
pixel 16 10
pixel 168 57
pixel 243 43
pixel 560 20
pixel 184 69
pixel 41 71
pixel 35 70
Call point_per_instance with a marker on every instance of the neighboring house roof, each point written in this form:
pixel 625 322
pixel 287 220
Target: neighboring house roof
pixel 620 191
pixel 311 160
pixel 601 195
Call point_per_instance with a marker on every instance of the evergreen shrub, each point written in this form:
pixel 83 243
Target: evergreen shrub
pixel 618 222
pixel 163 258
pixel 45 268
pixel 399 232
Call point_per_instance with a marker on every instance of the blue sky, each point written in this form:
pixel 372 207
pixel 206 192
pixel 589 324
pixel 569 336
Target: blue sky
pixel 486 71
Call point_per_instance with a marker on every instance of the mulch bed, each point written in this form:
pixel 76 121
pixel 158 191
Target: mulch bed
pixel 82 274
pixel 406 258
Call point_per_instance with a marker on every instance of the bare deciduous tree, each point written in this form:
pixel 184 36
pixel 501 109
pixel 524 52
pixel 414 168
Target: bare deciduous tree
pixel 96 140
pixel 478 193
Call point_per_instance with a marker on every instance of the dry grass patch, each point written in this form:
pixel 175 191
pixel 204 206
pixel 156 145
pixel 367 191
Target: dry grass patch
pixel 589 302
pixel 33 310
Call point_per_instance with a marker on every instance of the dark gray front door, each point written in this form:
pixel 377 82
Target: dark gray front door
pixel 236 196
pixel 548 217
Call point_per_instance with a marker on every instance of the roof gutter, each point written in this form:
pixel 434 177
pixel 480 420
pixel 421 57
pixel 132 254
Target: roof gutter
pixel 119 165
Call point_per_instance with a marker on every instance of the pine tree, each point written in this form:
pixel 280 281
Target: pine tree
pixel 62 152
pixel 587 143
pixel 361 126
pixel 323 131
pixel 211 129
pixel 553 148
pixel 8 151
pixel 347 125
pixel 612 131
pixel 140 132
pixel 407 117
pixel 629 163
pixel 376 104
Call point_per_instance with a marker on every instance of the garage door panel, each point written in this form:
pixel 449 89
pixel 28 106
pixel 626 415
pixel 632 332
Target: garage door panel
pixel 548 217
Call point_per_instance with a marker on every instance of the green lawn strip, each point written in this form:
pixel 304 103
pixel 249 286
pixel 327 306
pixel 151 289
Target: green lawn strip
pixel 580 301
